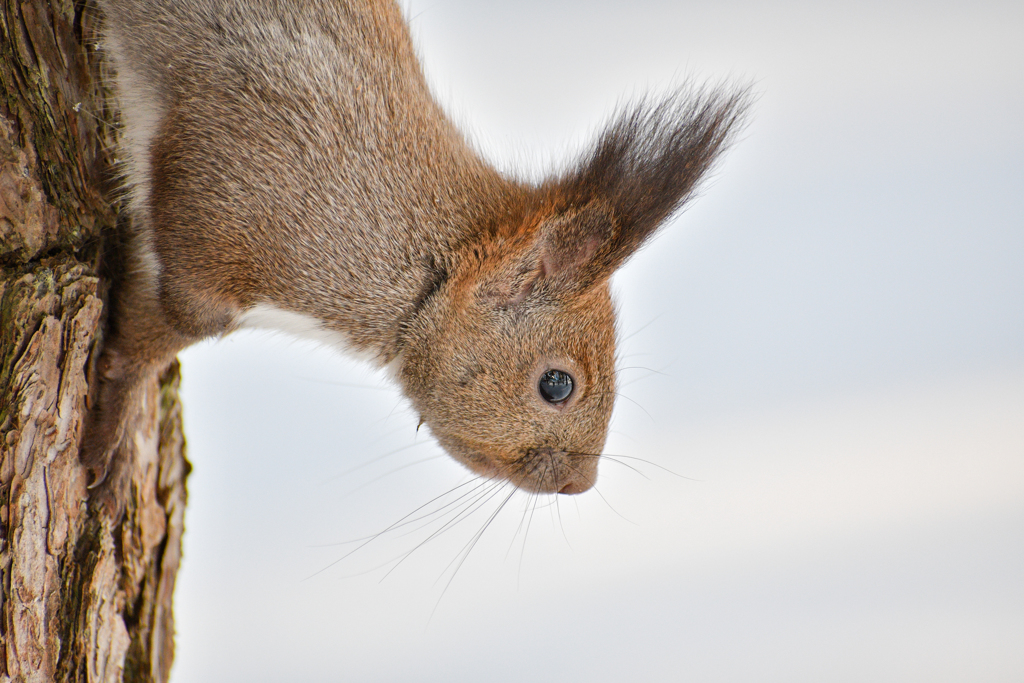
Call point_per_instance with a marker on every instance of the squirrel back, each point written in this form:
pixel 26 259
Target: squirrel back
pixel 288 165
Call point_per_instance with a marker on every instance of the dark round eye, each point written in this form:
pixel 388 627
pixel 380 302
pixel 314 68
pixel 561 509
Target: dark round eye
pixel 555 386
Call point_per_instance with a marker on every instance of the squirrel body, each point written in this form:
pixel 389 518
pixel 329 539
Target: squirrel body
pixel 288 167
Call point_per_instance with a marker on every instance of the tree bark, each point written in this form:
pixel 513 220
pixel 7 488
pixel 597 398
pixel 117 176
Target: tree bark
pixel 81 599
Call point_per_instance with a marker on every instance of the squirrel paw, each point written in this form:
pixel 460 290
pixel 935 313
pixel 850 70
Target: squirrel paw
pixel 106 460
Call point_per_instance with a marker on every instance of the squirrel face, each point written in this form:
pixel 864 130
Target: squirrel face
pixel 512 368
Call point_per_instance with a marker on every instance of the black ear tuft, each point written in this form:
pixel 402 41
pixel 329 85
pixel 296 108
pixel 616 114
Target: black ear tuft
pixel 647 163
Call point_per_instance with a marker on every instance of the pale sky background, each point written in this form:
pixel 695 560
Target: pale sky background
pixel 828 347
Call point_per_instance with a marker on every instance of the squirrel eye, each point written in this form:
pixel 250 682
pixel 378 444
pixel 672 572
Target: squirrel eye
pixel 555 386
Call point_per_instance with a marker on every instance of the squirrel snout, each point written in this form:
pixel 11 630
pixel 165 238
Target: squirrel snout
pixel 556 471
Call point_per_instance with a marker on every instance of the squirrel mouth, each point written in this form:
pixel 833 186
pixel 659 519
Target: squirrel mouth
pixel 538 470
pixel 551 470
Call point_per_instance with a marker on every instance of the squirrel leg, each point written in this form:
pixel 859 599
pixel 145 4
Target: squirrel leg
pixel 139 346
pixel 149 325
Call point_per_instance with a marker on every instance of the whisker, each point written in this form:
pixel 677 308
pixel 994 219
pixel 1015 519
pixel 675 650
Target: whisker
pixel 482 488
pixel 635 354
pixel 628 466
pixel 546 500
pixel 642 328
pixel 561 525
pixel 379 534
pixel 400 523
pixel 512 543
pixel 598 492
pixel 649 462
pixel 465 554
pixel 522 552
pixel 593 485
pixel 641 367
pixel 464 513
pixel 394 471
pixel 392 412
pixel 476 536
pixel 616 458
pixel 650 373
pixel 375 459
pixel 621 395
pixel 490 488
pixel 611 457
pixel 623 434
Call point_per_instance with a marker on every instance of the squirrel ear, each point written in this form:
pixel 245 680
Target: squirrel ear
pixel 559 258
pixel 570 241
pixel 643 168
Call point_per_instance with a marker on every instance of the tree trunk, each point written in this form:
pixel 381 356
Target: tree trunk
pixel 81 599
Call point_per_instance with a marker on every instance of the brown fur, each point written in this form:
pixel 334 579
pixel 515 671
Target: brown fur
pixel 290 154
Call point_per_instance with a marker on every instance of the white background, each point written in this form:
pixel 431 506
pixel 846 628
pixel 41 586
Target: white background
pixel 828 347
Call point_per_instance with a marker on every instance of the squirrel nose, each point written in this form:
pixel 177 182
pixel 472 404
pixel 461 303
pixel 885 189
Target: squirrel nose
pixel 574 487
pixel 580 475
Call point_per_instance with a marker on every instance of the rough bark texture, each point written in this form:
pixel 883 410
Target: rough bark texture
pixel 81 599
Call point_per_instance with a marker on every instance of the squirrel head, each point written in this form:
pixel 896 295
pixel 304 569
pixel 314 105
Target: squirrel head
pixel 510 357
pixel 511 361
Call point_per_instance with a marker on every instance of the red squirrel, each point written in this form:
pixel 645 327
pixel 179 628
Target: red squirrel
pixel 288 167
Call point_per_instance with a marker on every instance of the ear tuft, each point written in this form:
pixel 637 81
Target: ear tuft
pixel 647 164
pixel 643 168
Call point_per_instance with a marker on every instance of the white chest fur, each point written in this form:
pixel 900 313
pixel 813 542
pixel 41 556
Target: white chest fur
pixel 270 317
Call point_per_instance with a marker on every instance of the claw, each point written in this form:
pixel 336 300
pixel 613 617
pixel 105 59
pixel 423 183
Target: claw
pixel 97 478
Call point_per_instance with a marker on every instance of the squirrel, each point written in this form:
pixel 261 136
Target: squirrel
pixel 288 167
